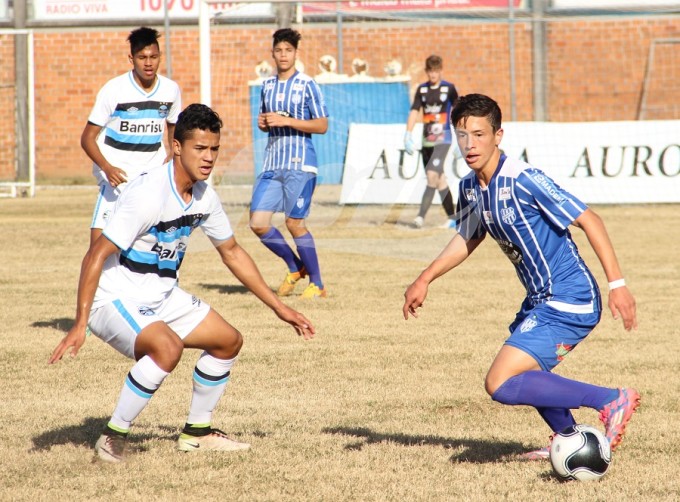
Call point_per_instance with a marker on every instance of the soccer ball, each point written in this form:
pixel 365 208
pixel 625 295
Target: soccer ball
pixel 580 452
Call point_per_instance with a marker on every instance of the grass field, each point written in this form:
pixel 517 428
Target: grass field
pixel 374 408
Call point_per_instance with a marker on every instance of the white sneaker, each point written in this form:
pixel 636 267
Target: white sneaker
pixel 216 440
pixel 418 222
pixel 111 448
pixel 449 223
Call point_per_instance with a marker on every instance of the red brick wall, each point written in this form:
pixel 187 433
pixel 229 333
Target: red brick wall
pixel 595 72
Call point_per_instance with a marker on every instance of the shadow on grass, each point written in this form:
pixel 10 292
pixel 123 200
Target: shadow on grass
pixel 227 289
pixel 88 431
pixel 61 323
pixel 474 451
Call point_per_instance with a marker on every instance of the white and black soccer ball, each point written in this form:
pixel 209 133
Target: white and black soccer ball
pixel 580 452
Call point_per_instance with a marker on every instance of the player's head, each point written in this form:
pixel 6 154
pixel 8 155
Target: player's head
pixel 145 55
pixel 196 142
pixel 433 68
pixel 476 120
pixel 284 50
pixel 141 38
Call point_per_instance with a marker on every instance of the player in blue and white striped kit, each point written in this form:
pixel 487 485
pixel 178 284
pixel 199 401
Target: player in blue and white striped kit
pixel 528 215
pixel 124 132
pixel 292 108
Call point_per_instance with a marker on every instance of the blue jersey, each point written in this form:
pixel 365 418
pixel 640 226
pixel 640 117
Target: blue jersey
pixel 527 214
pixel 436 103
pixel 298 97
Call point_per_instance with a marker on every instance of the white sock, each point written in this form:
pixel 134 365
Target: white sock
pixel 141 383
pixel 210 379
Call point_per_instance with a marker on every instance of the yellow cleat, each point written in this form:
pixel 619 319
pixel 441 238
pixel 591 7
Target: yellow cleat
pixel 288 285
pixel 313 291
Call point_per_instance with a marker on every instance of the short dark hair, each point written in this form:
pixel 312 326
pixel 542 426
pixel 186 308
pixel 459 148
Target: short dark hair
pixel 434 62
pixel 289 35
pixel 142 37
pixel 477 105
pixel 196 116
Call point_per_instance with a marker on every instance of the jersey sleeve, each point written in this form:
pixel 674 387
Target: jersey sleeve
pixel 468 219
pixel 558 205
pixel 176 107
pixel 417 103
pixel 216 225
pixel 103 108
pixel 315 101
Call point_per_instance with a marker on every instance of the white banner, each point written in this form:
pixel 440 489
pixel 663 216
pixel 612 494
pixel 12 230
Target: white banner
pixel 3 9
pixel 96 10
pixel 599 162
pixel 613 4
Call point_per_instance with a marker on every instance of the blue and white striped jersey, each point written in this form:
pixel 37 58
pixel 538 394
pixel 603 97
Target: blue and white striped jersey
pixel 528 215
pixel 298 97
pixel 133 122
pixel 151 226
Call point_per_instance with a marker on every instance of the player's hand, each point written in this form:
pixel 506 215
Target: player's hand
pixel 302 325
pixel 115 175
pixel 414 297
pixel 262 122
pixel 273 119
pixel 622 303
pixel 73 340
pixel 409 145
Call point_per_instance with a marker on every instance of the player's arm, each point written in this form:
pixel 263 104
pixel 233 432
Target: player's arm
pixel 621 300
pixel 413 117
pixel 88 141
pixel 455 253
pixel 312 126
pixel 244 269
pixel 90 271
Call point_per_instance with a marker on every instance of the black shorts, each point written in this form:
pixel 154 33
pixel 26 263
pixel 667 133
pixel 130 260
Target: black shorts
pixel 434 157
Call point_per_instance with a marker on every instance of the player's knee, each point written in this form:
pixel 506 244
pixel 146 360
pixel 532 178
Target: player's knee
pixel 491 384
pixel 167 351
pixel 230 345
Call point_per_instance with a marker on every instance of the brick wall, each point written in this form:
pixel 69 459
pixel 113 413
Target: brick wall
pixel 595 72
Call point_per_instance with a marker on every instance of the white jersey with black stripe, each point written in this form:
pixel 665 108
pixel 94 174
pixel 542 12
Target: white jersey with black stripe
pixel 528 215
pixel 151 226
pixel 133 123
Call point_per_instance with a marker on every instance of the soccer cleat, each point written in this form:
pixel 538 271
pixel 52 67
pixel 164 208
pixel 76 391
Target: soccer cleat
pixel 449 223
pixel 313 291
pixel 418 222
pixel 111 447
pixel 540 454
pixel 288 285
pixel 215 440
pixel 616 415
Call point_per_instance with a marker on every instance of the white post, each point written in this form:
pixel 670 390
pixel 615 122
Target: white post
pixel 31 116
pixel 204 51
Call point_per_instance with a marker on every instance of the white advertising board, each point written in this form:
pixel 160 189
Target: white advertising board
pixel 3 9
pixel 599 162
pixel 97 10
pixel 613 4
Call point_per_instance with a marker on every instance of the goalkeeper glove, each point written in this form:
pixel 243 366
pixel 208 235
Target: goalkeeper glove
pixel 409 145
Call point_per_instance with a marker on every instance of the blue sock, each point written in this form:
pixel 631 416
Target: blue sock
pixel 542 389
pixel 277 244
pixel 307 250
pixel 557 418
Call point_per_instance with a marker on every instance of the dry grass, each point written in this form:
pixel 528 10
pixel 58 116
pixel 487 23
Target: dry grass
pixel 374 408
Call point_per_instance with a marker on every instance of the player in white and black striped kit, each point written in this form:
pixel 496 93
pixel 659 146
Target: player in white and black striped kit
pixel 125 130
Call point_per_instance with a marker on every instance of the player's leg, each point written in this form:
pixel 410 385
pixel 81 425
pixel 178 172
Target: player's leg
pixel 430 189
pixel 137 332
pixel 521 373
pixel 268 199
pixel 220 343
pixel 298 191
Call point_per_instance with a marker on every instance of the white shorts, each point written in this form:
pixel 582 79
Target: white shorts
pixel 119 322
pixel 106 202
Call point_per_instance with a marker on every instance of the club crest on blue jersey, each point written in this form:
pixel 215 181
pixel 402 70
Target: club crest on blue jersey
pixel 296 98
pixel 145 311
pixel 508 215
pixel 300 202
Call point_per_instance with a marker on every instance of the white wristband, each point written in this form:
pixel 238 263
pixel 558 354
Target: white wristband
pixel 618 283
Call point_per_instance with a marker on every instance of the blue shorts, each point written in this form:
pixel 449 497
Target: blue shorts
pixel 548 334
pixel 284 190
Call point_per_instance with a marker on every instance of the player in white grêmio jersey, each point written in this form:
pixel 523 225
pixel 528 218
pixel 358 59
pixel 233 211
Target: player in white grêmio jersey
pixel 292 108
pixel 124 132
pixel 128 291
pixel 528 215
